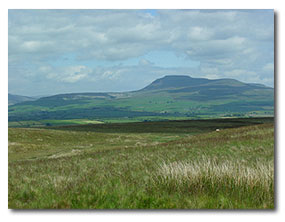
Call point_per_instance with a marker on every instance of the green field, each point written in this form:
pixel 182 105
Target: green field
pixel 53 122
pixel 166 98
pixel 147 165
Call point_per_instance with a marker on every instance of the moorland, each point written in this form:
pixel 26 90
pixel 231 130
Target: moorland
pixel 148 165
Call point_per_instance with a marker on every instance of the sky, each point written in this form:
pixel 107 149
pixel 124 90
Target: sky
pixel 65 51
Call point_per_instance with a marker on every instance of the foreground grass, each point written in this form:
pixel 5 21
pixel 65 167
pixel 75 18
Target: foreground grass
pixel 211 176
pixel 89 169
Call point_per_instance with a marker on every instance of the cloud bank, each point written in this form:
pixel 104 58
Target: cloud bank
pixel 56 51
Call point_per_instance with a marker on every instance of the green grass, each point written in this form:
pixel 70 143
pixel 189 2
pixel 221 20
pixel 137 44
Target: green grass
pixel 152 165
pixel 52 122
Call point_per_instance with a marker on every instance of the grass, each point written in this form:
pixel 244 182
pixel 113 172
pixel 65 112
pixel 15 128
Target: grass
pixel 152 165
pixel 225 178
pixel 52 122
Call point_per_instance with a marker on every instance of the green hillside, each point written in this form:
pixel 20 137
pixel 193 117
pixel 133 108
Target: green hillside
pixel 13 99
pixel 165 98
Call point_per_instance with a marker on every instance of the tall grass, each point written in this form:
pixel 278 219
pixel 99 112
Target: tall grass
pixel 213 176
pixel 68 169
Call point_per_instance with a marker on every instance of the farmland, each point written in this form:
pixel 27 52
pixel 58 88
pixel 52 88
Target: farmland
pixel 181 164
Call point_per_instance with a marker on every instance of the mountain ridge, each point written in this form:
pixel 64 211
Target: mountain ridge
pixel 167 96
pixel 186 81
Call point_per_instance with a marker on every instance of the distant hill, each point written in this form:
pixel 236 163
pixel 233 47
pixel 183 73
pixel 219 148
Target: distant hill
pixel 181 82
pixel 202 89
pixel 170 82
pixel 13 99
pixel 167 97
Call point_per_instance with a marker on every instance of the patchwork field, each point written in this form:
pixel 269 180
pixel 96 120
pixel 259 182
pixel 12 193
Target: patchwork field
pixel 149 165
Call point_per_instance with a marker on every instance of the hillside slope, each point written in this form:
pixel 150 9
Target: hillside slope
pixel 169 96
pixel 13 99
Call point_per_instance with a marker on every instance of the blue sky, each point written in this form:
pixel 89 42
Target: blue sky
pixel 62 51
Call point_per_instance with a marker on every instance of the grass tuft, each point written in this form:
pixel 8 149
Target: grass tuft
pixel 212 176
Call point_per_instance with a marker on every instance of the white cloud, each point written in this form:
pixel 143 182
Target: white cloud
pixel 69 74
pixel 199 33
pixel 213 49
pixel 116 34
pixel 226 43
pixel 112 74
